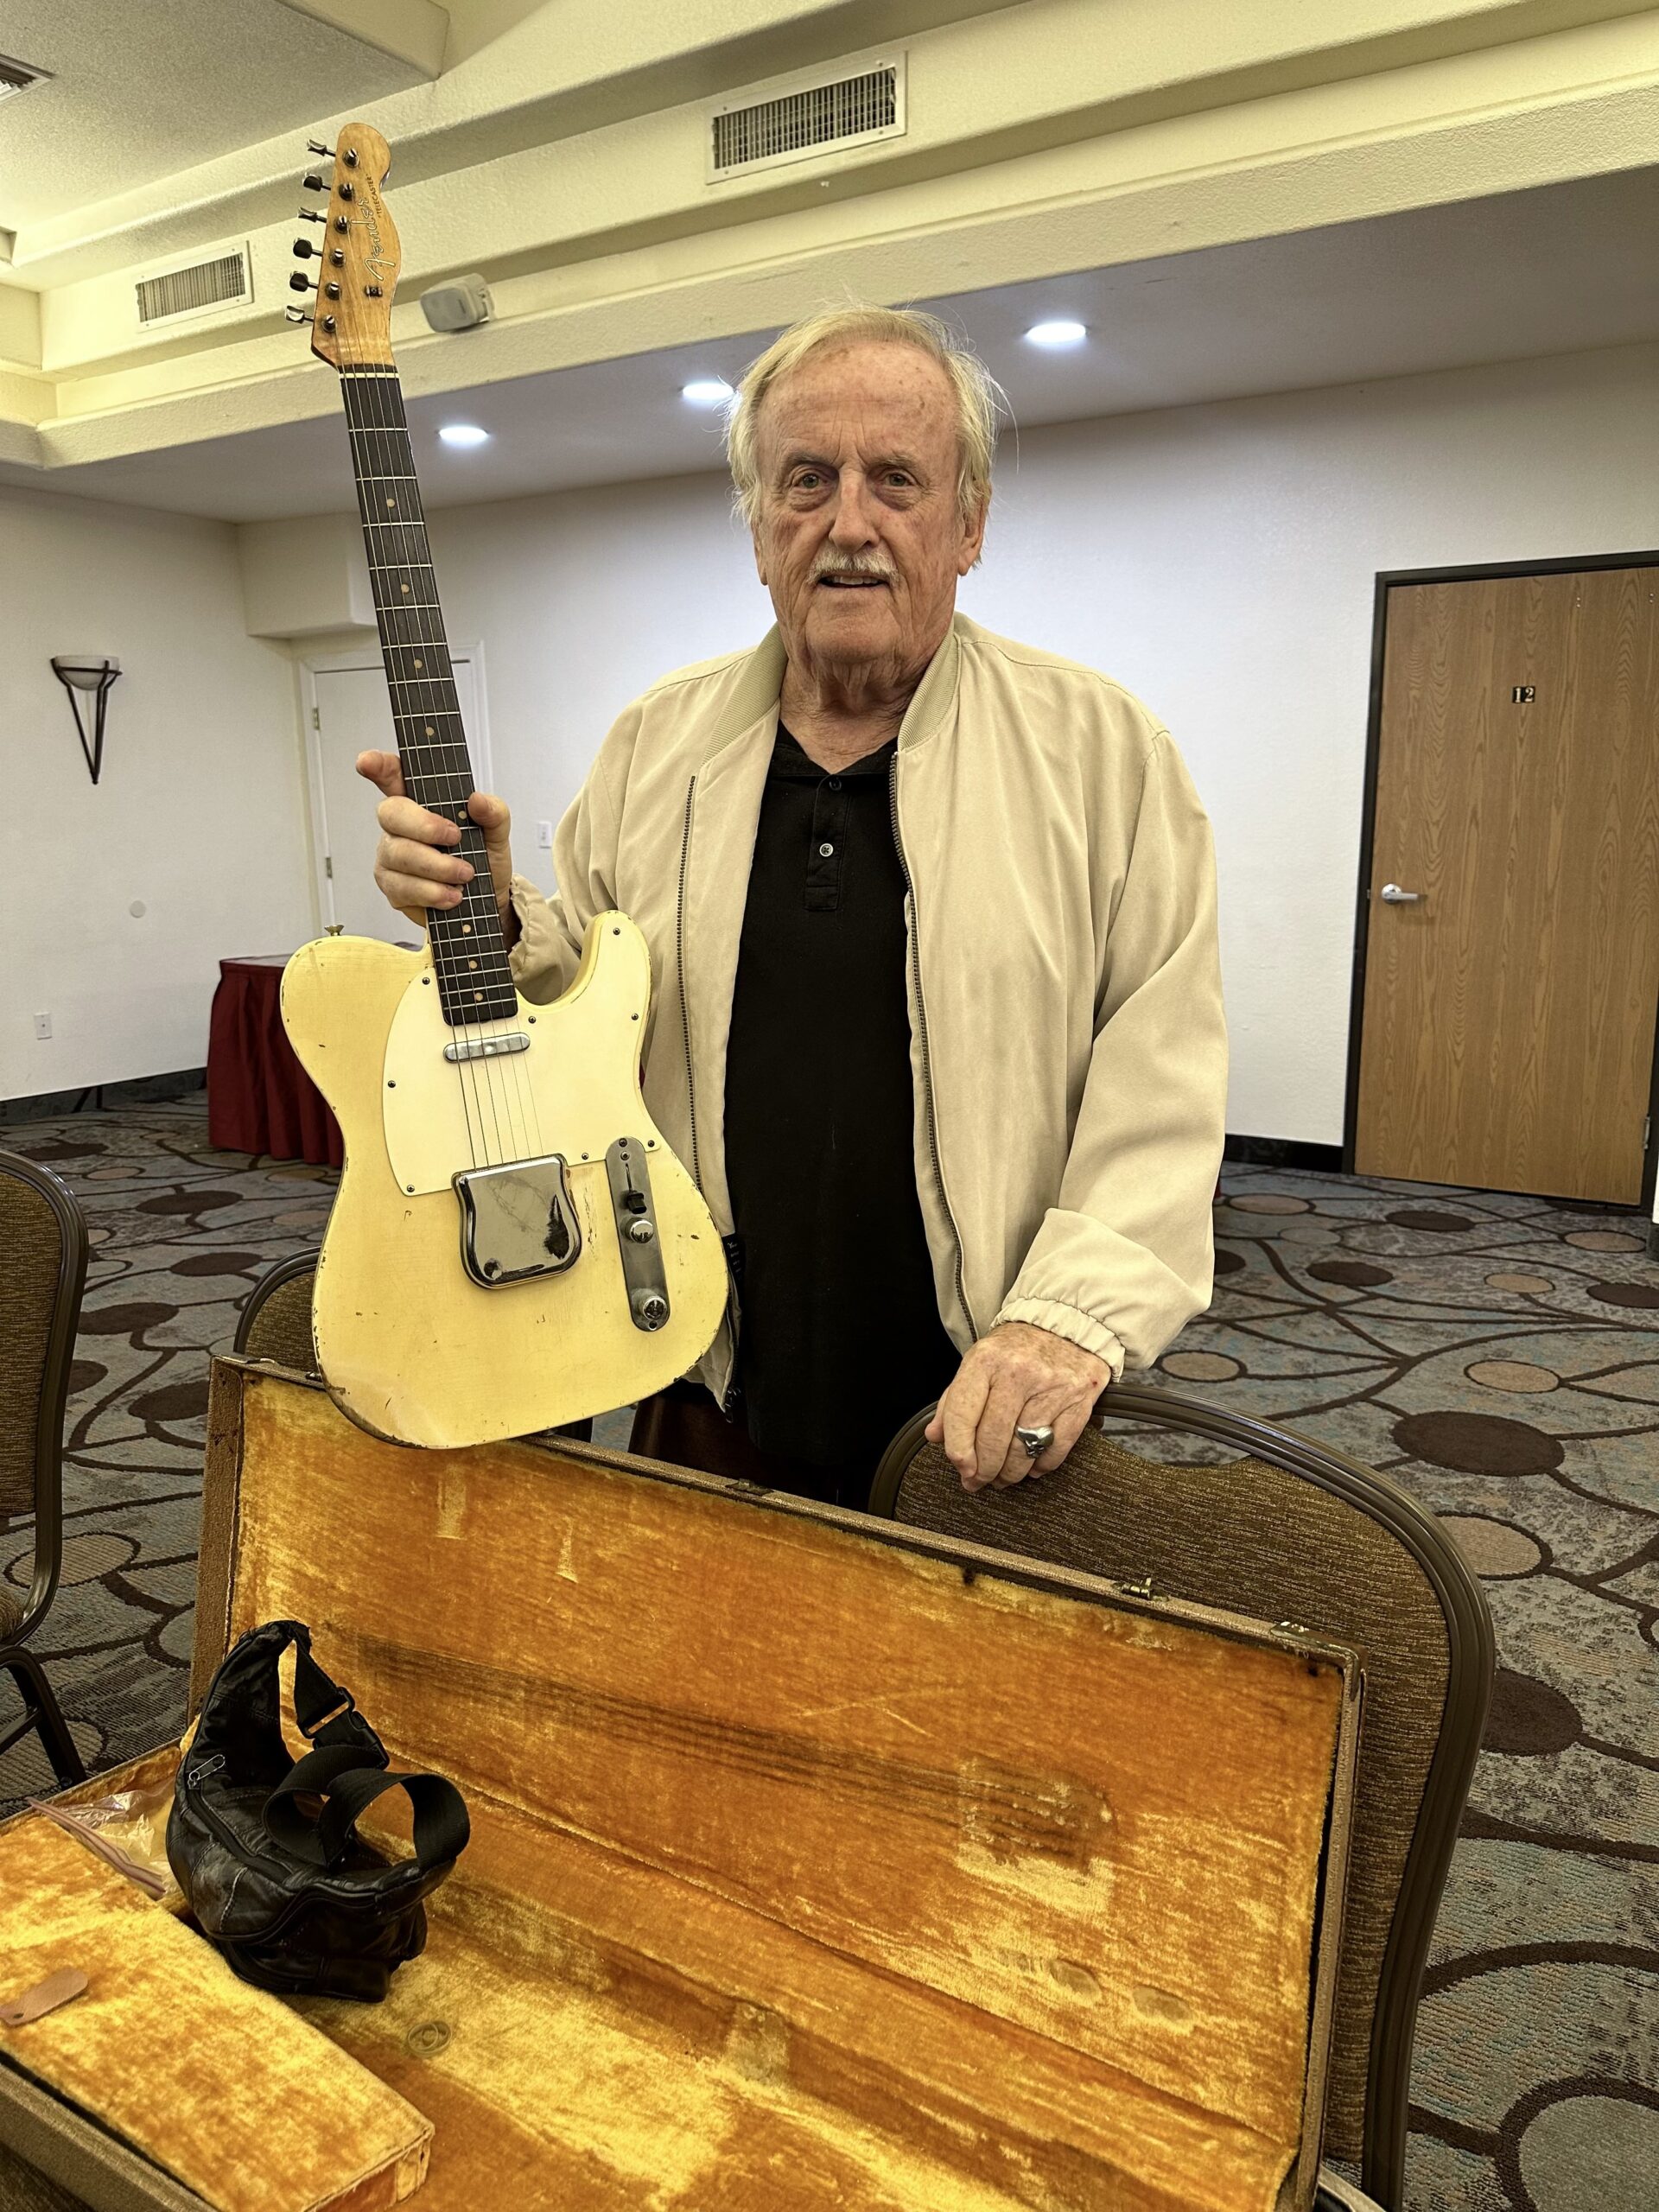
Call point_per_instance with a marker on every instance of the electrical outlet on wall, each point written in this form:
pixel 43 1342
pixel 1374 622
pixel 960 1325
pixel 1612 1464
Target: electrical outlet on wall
pixel 43 1027
pixel 544 835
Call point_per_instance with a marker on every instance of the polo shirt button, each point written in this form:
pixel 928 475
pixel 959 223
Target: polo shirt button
pixel 835 783
pixel 824 851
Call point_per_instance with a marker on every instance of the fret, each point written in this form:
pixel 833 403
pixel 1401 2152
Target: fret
pixel 422 691
pixel 429 655
pixel 406 621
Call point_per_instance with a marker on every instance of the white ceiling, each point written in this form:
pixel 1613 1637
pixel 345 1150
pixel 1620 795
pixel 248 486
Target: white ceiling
pixel 142 88
pixel 1559 269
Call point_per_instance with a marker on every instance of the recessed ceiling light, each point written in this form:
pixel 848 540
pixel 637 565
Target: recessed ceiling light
pixel 706 391
pixel 1056 334
pixel 464 434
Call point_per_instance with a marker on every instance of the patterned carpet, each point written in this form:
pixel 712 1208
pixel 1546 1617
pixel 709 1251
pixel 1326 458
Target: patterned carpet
pixel 1499 1355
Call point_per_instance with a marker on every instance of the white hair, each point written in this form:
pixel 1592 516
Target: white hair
pixel 980 402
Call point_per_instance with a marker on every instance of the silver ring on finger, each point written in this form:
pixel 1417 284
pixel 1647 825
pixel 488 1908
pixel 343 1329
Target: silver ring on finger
pixel 1036 1439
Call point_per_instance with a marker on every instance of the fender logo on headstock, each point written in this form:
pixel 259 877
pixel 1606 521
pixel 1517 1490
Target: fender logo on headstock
pixel 364 257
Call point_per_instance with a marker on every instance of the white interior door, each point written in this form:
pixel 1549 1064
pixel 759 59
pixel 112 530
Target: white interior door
pixel 354 716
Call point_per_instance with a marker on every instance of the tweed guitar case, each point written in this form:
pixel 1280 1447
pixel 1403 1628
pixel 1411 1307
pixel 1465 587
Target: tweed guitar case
pixel 818 1864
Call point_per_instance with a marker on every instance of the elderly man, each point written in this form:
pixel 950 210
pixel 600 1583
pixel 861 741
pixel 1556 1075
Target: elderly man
pixel 938 1022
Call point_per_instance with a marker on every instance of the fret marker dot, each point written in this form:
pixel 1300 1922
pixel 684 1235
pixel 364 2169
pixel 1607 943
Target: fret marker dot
pixel 392 503
pixel 428 729
pixel 420 664
pixel 404 589
pixel 478 994
pixel 466 929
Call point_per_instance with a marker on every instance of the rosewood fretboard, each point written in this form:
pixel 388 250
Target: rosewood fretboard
pixel 469 954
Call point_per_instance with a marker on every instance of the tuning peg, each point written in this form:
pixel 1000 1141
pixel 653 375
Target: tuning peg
pixel 299 281
pixel 312 215
pixel 303 249
pixel 295 315
pixel 317 146
pixel 312 183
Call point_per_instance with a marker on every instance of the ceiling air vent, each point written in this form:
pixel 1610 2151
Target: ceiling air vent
pixel 17 76
pixel 805 117
pixel 189 291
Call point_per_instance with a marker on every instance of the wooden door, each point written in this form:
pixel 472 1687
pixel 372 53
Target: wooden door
pixel 1508 1027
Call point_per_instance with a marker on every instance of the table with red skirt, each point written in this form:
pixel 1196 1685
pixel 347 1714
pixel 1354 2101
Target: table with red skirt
pixel 260 1098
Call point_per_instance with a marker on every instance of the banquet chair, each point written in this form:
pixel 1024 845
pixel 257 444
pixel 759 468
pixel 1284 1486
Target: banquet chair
pixel 275 1323
pixel 44 1236
pixel 1296 1532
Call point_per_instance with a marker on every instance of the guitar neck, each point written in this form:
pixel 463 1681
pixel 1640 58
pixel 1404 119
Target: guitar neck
pixel 468 950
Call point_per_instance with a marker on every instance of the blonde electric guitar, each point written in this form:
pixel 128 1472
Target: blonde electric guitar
pixel 513 1246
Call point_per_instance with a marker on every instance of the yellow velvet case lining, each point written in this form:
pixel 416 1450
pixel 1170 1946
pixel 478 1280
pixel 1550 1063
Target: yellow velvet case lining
pixel 217 2082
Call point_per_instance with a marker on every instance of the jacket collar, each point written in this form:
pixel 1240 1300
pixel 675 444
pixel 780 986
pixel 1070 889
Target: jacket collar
pixel 758 680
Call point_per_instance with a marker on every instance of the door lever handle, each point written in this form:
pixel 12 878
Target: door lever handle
pixel 1396 897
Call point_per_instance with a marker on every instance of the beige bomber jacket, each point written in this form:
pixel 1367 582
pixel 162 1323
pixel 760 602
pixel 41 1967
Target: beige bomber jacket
pixel 1067 1040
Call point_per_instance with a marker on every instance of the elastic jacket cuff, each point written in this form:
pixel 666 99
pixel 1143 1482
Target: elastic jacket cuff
pixel 1070 1322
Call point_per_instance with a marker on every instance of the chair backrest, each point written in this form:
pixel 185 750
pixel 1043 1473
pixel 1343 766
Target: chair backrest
pixel 275 1321
pixel 1291 1531
pixel 42 1273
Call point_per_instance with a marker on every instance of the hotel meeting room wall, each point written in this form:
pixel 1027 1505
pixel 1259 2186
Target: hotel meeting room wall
pixel 199 814
pixel 1219 560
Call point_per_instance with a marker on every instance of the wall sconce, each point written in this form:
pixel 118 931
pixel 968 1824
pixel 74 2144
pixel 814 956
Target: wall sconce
pixel 94 674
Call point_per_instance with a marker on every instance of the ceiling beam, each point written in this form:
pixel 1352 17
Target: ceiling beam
pixel 415 31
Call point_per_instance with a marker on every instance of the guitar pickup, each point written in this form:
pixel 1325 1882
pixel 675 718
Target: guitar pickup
pixel 629 1172
pixel 487 1048
pixel 516 1222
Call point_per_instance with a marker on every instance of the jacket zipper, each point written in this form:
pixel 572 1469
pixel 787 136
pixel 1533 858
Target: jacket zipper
pixel 728 1242
pixel 679 963
pixel 921 1033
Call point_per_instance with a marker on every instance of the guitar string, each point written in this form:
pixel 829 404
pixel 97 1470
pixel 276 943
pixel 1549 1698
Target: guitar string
pixel 507 1088
pixel 448 960
pixel 363 390
pixel 385 416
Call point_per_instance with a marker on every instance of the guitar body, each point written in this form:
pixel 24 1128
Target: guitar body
pixel 411 1346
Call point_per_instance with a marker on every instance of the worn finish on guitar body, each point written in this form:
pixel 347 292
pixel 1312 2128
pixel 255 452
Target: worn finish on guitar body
pixel 410 1348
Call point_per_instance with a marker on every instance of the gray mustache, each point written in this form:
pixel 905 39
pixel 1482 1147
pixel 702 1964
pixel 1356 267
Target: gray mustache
pixel 855 564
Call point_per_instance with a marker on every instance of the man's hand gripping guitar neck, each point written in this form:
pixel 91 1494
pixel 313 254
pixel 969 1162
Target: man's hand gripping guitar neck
pixel 416 865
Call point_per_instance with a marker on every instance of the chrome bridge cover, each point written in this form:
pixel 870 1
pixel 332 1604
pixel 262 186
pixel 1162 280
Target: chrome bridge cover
pixel 516 1222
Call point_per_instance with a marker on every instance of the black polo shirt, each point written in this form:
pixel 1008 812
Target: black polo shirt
pixel 839 1341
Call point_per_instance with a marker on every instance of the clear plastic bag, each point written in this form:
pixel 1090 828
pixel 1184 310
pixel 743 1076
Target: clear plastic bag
pixel 127 1828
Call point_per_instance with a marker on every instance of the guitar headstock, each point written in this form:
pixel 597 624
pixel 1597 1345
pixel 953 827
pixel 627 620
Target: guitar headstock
pixel 355 251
